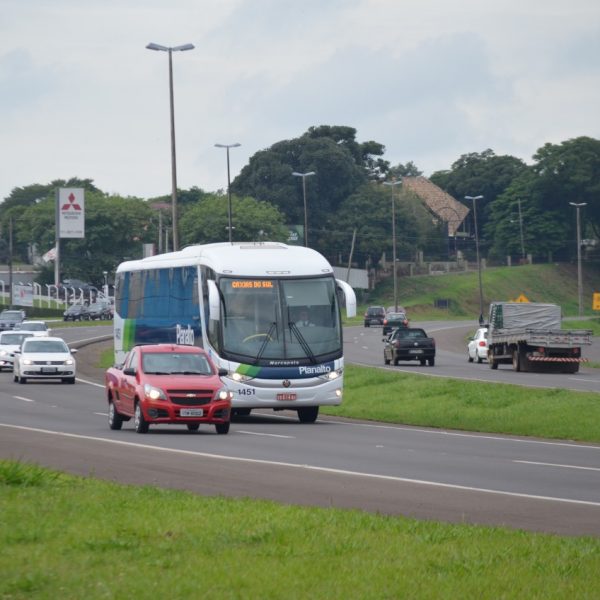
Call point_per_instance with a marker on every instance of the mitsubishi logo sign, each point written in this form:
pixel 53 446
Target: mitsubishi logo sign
pixel 70 213
pixel 72 203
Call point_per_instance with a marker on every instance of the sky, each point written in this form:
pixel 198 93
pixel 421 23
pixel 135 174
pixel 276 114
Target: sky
pixel 431 80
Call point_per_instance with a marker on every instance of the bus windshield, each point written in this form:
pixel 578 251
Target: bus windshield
pixel 265 320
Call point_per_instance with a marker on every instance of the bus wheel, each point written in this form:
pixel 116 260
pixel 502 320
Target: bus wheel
pixel 222 428
pixel 308 414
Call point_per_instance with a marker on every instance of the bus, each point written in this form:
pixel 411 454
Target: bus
pixel 267 312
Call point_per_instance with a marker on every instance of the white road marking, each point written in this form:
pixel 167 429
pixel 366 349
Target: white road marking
pixel 310 467
pixel 24 399
pixel 543 464
pixel 289 437
pixel 90 382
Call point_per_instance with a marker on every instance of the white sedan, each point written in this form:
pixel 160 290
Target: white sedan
pixel 10 341
pixel 44 358
pixel 37 328
pixel 477 348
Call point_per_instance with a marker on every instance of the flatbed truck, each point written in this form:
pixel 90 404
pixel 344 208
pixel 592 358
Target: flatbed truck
pixel 528 335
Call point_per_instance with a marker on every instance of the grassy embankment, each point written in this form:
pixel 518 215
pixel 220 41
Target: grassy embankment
pixel 552 283
pixel 98 540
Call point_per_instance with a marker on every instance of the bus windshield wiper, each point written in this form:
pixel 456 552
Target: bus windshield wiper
pixel 263 346
pixel 303 343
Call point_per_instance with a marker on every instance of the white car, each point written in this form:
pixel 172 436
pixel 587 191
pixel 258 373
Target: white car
pixel 37 328
pixel 9 342
pixel 477 348
pixel 44 358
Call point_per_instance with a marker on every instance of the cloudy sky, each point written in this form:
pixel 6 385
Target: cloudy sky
pixel 430 79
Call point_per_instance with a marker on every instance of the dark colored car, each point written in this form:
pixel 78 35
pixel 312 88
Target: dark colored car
pixel 9 318
pixel 162 384
pixel 374 315
pixel 100 311
pixel 393 320
pixel 76 312
pixel 409 344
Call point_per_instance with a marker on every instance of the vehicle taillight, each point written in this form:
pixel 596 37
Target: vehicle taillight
pixel 482 343
pixel 385 321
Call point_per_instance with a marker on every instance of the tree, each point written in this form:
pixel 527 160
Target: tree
pixel 563 173
pixel 570 172
pixel 369 212
pixel 207 221
pixel 341 165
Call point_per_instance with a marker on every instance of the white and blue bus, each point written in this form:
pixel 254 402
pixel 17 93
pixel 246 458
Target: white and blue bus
pixel 267 312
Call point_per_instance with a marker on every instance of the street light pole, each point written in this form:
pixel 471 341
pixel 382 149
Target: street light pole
pixel 474 199
pixel 304 176
pixel 230 226
pixel 579 278
pixel 392 184
pixel 170 50
pixel 521 229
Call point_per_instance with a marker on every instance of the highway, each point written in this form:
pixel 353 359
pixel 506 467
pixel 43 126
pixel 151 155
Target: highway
pixel 539 485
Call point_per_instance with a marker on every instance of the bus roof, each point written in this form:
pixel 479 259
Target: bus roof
pixel 253 259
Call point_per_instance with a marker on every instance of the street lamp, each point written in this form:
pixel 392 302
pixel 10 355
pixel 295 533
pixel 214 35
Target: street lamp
pixel 170 50
pixel 304 176
pixel 579 281
pixel 474 199
pixel 227 146
pixel 392 184
pixel 521 229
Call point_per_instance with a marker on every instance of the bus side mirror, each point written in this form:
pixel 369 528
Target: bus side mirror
pixel 214 304
pixel 350 298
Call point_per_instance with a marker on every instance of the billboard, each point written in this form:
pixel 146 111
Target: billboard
pixel 22 295
pixel 71 213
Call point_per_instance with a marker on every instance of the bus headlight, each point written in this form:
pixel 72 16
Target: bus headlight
pixel 241 377
pixel 154 393
pixel 332 375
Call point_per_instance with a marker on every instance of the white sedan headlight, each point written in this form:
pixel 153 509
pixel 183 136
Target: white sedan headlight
pixel 27 361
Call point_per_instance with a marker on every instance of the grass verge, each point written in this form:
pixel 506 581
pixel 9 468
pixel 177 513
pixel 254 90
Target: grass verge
pixel 102 540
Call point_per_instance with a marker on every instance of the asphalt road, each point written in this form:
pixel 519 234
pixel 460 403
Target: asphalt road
pixel 540 485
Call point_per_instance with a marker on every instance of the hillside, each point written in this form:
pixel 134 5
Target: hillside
pixel 556 283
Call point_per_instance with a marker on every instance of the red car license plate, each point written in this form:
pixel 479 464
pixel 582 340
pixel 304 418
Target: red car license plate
pixel 286 396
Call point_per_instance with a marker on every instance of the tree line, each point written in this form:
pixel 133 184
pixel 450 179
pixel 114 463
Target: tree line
pixel 525 207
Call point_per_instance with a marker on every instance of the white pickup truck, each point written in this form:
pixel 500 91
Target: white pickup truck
pixel 529 336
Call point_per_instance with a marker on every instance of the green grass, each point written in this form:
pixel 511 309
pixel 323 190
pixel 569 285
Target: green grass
pixel 102 540
pixel 554 283
pixel 379 395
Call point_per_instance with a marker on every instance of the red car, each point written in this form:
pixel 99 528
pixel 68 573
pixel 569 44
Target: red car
pixel 167 384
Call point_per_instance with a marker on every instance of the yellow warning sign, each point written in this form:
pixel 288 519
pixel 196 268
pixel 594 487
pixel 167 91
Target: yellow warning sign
pixel 522 298
pixel 596 300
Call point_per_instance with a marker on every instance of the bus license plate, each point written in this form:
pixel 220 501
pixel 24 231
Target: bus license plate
pixel 191 412
pixel 286 396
